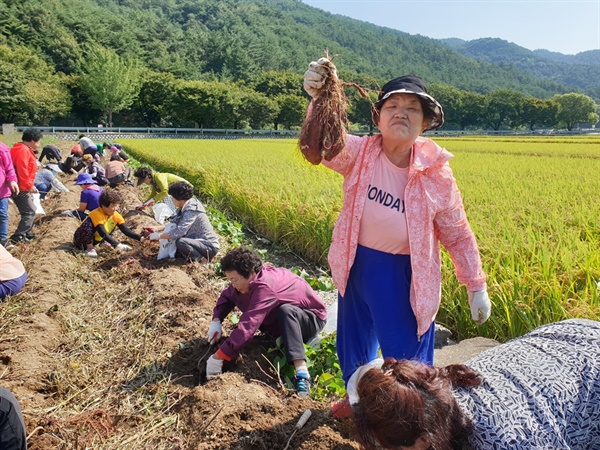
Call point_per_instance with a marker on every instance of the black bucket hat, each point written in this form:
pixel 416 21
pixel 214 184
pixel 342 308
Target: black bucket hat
pixel 412 85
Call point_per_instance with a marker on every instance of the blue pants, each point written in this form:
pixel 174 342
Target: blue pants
pixel 10 287
pixel 3 219
pixel 375 312
pixel 44 189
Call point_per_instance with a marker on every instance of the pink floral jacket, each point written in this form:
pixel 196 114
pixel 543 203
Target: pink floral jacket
pixel 434 213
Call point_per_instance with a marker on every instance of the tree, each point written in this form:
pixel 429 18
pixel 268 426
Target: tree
pixel 110 82
pixel 539 113
pixel 504 107
pixel 273 83
pixel 257 110
pixel 451 100
pixel 472 110
pixel 30 91
pixel 151 104
pixel 46 101
pixel 13 99
pixel 360 109
pixel 81 105
pixel 207 104
pixel 292 111
pixel 575 108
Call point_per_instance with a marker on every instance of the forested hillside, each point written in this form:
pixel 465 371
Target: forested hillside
pixel 236 40
pixel 582 70
pixel 156 62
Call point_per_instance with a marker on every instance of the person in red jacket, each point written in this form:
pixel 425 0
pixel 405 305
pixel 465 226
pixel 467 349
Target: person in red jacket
pixel 25 163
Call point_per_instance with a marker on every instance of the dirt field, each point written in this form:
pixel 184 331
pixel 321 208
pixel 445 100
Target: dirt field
pixel 103 354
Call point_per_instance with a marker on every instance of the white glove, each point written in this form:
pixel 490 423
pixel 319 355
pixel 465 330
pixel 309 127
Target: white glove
pixel 154 236
pixel 481 307
pixel 123 247
pixel 315 76
pixel 214 367
pixel 214 332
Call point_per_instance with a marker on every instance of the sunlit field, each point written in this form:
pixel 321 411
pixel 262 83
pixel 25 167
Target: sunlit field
pixel 532 202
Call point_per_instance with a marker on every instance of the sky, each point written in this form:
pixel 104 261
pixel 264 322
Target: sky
pixel 564 26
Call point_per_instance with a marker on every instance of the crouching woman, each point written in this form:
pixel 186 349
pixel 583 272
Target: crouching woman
pixel 101 222
pixel 274 300
pixel 191 230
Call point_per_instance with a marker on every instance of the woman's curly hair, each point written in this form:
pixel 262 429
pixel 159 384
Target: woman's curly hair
pixel 108 197
pixel 243 260
pixel 181 190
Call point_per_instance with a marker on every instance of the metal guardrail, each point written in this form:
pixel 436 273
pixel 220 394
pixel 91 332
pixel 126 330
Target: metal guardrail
pixel 114 133
pixel 150 130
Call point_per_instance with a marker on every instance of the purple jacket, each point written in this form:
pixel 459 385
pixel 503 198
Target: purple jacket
pixel 271 288
pixel 7 171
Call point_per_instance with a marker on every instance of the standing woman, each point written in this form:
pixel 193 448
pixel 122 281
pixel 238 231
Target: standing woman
pixel 400 202
pixel 8 187
pixel 25 164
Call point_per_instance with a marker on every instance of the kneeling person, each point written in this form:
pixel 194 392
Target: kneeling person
pixel 193 233
pixel 98 226
pixel 274 300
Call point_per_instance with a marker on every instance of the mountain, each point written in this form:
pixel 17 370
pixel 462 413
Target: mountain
pixel 238 39
pixel 590 57
pixel 581 70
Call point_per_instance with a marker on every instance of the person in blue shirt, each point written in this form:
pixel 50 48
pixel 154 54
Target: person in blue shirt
pixel 46 180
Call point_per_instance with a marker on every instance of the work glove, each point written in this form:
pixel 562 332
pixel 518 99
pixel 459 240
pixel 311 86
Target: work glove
pixel 316 75
pixel 154 236
pixel 123 247
pixel 214 367
pixel 214 332
pixel 145 204
pixel 481 307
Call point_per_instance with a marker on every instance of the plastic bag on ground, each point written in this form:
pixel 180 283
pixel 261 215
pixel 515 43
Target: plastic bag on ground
pixel 167 247
pixel 38 203
pixel 161 212
pixel 330 326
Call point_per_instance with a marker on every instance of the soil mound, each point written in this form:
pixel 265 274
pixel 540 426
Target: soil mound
pixel 103 353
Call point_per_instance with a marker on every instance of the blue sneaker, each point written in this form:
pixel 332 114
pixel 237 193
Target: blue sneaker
pixel 302 385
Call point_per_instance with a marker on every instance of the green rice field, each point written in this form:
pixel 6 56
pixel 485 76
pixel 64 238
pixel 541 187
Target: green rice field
pixel 532 202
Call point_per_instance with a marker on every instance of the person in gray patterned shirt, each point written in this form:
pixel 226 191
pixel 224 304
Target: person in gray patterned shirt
pixel 538 391
pixel 193 233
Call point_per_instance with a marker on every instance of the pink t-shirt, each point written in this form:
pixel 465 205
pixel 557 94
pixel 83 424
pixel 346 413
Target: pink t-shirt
pixel 383 222
pixel 114 168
